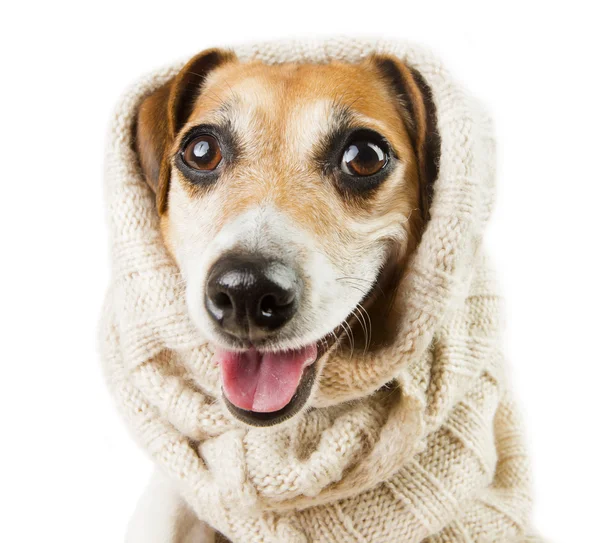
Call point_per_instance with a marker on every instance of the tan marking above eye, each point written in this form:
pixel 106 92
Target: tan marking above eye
pixel 203 153
pixel 363 158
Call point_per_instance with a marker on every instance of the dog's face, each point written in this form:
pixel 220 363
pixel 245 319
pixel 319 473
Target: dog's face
pixel 290 197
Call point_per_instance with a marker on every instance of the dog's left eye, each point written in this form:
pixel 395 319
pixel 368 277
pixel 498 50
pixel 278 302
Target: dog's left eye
pixel 363 158
pixel 203 153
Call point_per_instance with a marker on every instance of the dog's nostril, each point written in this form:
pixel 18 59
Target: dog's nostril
pixel 219 304
pixel 268 306
pixel 271 304
pixel 222 300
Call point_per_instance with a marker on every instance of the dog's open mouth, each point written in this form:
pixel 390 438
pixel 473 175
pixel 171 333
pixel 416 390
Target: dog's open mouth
pixel 265 388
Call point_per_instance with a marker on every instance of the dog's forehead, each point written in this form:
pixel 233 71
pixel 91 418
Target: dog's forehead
pixel 302 98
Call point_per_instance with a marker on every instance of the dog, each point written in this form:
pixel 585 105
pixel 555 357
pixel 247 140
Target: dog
pixel 291 197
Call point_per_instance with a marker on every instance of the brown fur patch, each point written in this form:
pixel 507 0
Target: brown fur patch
pixel 161 116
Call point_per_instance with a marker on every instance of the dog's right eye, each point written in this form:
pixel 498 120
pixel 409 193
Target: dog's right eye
pixel 203 153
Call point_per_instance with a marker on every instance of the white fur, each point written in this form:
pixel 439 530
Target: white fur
pixel 266 231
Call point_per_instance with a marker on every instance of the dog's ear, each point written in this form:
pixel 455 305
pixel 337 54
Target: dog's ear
pixel 415 101
pixel 164 112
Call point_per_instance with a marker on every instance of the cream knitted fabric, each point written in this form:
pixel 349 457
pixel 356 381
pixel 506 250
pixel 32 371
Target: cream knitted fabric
pixel 419 443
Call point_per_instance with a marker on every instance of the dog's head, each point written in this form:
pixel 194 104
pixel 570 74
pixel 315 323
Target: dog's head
pixel 290 197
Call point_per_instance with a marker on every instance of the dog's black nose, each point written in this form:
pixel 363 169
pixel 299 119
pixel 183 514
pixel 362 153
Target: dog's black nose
pixel 250 296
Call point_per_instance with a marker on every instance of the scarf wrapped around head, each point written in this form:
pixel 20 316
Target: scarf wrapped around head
pixel 418 442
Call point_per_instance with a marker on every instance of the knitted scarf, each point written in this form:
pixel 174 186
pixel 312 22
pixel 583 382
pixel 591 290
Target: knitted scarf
pixel 419 442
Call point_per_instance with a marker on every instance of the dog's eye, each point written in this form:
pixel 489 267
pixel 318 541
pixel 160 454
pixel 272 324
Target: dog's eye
pixel 203 153
pixel 363 158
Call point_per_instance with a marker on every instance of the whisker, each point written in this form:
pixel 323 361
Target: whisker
pixel 349 334
pixel 352 278
pixel 367 316
pixel 368 329
pixel 363 324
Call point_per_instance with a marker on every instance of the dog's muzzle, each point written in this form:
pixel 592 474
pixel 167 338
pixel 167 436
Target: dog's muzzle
pixel 251 298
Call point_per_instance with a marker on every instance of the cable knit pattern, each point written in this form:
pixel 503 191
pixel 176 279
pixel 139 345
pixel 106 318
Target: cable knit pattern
pixel 420 442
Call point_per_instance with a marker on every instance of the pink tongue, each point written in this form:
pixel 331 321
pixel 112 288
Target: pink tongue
pixel 263 382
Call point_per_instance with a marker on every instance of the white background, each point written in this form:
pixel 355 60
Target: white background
pixel 68 471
